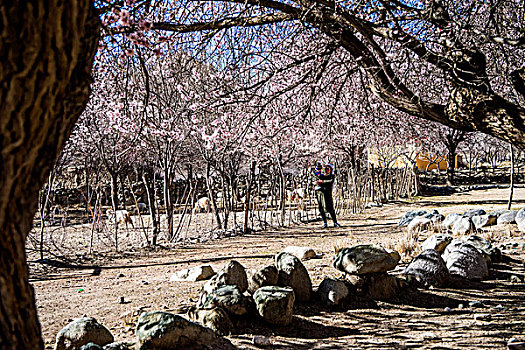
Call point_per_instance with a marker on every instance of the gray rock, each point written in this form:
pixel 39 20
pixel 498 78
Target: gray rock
pixel 450 220
pixel 463 226
pixel 90 346
pixel 116 346
pixel 232 273
pixel 465 260
pixel 484 220
pixel 161 330
pixel 267 276
pixel 261 341
pixel 333 292
pixel 193 274
pixel 81 332
pixel 428 269
pixel 521 226
pixel 499 212
pixel 216 318
pixel 229 298
pixel 520 216
pixel 491 253
pixel 363 259
pixel 409 216
pixel 437 242
pixel 303 253
pixel 482 317
pixel 292 273
pixel 376 286
pixel 475 303
pixel 515 279
pixel 275 304
pixel 433 213
pixel 515 344
pixel 437 219
pixel 419 223
pixel 474 212
pixel 507 218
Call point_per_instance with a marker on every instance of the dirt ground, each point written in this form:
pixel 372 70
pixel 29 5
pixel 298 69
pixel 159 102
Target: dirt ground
pixel 432 319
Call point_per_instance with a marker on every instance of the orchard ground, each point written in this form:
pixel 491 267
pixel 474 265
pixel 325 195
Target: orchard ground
pixel 412 320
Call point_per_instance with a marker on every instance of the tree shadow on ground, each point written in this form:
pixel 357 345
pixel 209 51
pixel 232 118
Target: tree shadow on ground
pixel 299 328
pixel 498 275
pixel 315 307
pixel 424 299
pixel 97 269
pixel 458 282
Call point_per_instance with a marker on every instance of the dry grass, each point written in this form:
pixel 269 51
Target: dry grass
pixel 407 245
pixel 347 242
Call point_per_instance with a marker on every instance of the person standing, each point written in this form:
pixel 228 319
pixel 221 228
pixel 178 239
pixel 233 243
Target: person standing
pixel 323 190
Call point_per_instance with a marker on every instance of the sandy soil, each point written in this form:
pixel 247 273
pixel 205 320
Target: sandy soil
pixel 418 319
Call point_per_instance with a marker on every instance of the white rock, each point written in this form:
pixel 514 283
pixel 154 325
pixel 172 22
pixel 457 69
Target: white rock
pixel 193 274
pixel 428 335
pixel 419 224
pixel 261 340
pixel 303 253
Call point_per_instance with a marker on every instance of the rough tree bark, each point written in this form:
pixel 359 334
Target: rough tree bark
pixel 48 48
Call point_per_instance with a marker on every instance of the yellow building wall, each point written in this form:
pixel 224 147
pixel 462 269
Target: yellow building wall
pixel 422 160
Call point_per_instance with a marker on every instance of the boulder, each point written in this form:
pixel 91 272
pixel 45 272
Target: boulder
pixel 303 253
pixel 376 286
pixel 520 216
pixel 428 269
pixel 491 253
pixel 437 219
pixel 480 221
pixel 216 318
pixel 82 331
pixel 363 259
pixel 409 216
pixel 292 273
pixel 267 276
pixel 499 212
pixel 91 346
pixel 463 226
pixel 232 273
pixel 437 242
pixel 450 220
pixel 521 226
pixel 419 223
pixel 229 298
pixel 275 304
pixel 465 260
pixel 333 292
pixel 193 274
pixel 158 330
pixel 433 213
pixel 474 212
pixel 507 218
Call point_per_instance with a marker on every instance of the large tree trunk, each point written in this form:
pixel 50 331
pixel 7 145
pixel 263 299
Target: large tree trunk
pixel 48 48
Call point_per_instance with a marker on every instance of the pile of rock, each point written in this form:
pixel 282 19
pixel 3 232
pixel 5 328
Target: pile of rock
pixel 462 224
pixel 366 270
pixel 421 220
pixel 270 292
pixel 467 257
